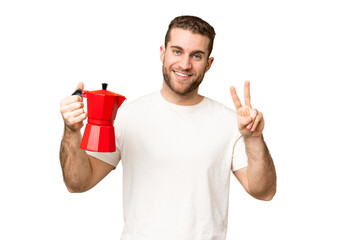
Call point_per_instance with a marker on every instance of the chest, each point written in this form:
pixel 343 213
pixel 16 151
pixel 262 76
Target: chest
pixel 182 140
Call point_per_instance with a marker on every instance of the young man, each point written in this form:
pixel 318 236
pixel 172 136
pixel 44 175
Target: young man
pixel 177 148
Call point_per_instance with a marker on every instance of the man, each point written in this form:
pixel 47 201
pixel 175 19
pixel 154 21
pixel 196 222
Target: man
pixel 177 147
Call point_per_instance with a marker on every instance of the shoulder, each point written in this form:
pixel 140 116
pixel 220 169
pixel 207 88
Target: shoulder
pixel 143 100
pixel 139 103
pixel 130 113
pixel 224 118
pixel 219 113
pixel 219 107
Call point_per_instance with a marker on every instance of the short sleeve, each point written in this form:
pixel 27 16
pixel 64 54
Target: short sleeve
pixel 112 158
pixel 239 156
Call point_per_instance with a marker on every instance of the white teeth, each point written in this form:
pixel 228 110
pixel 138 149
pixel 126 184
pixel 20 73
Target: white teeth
pixel 181 75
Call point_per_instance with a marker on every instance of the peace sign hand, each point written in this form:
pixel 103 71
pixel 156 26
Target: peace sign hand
pixel 250 121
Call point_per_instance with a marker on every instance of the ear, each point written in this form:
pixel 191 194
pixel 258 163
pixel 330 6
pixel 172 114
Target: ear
pixel 209 63
pixel 162 53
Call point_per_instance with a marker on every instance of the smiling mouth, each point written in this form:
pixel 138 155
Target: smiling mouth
pixel 181 75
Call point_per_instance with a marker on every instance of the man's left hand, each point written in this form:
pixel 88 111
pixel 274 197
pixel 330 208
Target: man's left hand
pixel 250 120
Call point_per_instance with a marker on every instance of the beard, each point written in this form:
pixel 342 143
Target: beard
pixel 190 86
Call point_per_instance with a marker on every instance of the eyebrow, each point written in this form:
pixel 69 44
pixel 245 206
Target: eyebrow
pixel 192 53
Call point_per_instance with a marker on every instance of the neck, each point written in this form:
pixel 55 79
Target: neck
pixel 189 99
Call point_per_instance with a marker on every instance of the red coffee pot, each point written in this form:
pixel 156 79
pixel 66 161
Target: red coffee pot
pixel 102 106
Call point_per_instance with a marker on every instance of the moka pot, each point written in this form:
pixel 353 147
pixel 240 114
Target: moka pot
pixel 102 106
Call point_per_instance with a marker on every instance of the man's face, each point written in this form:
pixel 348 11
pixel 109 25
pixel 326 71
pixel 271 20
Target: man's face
pixel 185 61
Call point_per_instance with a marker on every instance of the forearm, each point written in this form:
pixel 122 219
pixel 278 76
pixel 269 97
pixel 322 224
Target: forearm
pixel 261 170
pixel 75 164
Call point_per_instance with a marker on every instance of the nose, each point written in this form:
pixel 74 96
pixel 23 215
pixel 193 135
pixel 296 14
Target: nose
pixel 185 63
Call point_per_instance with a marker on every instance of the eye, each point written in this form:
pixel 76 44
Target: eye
pixel 197 57
pixel 176 52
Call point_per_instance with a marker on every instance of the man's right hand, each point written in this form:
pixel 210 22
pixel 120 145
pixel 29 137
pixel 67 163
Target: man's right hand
pixel 72 111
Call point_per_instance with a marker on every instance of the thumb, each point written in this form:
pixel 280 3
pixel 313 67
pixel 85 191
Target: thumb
pixel 244 121
pixel 80 86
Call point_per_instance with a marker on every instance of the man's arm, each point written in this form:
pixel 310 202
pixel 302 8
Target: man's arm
pixel 259 177
pixel 81 172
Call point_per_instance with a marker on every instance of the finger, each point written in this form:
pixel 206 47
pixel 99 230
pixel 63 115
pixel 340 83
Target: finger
pixel 75 106
pixel 68 115
pixel 235 98
pixel 80 86
pixel 77 112
pixel 247 93
pixel 245 121
pixel 257 121
pixel 253 115
pixel 68 108
pixel 71 99
pixel 76 120
pixel 81 117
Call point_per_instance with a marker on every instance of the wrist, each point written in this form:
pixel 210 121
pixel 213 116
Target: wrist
pixel 253 139
pixel 74 129
pixel 70 131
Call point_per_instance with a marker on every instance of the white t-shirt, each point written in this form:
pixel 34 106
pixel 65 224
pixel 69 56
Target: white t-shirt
pixel 177 163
